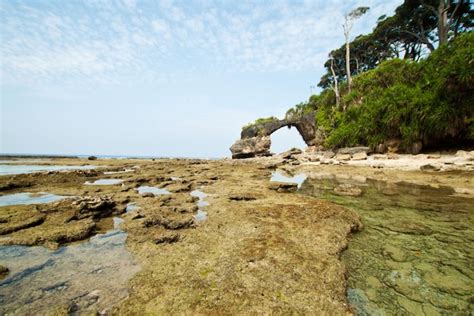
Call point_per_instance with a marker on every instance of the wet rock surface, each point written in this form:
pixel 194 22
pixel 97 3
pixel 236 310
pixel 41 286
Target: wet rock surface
pixel 256 250
pixel 411 257
pixel 189 265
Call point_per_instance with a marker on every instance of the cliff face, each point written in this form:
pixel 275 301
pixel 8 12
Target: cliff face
pixel 255 139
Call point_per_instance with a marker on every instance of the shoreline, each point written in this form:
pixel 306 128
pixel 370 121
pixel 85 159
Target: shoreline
pixel 256 238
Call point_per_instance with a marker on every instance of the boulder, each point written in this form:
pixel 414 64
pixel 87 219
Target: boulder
pixel 393 145
pixel 469 155
pixel 92 158
pixel 359 156
pixel 353 150
pixel 290 153
pixel 257 146
pixel 381 149
pixel 329 154
pixel 342 157
pixel 414 148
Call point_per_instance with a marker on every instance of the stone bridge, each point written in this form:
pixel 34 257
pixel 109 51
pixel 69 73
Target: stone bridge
pixel 255 139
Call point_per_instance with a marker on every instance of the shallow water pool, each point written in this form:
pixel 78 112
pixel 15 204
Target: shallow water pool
pixel 20 169
pixel 279 176
pixel 154 190
pixel 89 276
pixel 414 255
pixel 29 198
pixel 201 215
pixel 104 182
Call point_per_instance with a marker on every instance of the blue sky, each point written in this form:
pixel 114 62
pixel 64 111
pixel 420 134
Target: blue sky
pixel 164 78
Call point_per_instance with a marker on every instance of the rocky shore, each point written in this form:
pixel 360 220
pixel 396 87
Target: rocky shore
pixel 261 249
pixel 258 251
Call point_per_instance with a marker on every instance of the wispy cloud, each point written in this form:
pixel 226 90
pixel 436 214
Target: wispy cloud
pixel 110 41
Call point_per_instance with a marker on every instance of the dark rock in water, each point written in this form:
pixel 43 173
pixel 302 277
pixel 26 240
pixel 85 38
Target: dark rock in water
pixel 283 187
pixel 92 158
pixel 166 238
pixel 258 146
pixel 348 190
pixel 3 272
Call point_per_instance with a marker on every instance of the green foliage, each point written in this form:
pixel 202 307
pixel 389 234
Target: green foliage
pixel 409 34
pixel 260 121
pixel 411 101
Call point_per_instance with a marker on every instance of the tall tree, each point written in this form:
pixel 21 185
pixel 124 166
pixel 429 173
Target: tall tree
pixel 335 86
pixel 348 23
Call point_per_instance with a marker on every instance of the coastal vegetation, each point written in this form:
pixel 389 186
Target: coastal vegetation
pixel 410 81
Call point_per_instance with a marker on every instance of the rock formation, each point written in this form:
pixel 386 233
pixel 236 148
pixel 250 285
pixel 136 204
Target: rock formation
pixel 255 139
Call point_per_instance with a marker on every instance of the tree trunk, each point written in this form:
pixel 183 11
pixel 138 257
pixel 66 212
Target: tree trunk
pixel 443 26
pixel 335 88
pixel 348 64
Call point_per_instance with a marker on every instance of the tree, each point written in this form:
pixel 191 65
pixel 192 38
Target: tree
pixel 335 87
pixel 450 16
pixel 348 23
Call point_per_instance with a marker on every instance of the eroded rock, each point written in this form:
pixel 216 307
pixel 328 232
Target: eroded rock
pixel 251 147
pixel 93 206
pixel 283 187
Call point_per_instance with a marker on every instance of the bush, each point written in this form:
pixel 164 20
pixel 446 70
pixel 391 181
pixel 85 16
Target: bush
pixel 428 101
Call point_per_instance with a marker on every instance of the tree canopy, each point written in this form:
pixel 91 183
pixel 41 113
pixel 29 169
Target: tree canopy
pixel 411 33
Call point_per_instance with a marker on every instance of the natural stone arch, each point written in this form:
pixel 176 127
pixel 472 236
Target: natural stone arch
pixel 255 138
pixel 284 138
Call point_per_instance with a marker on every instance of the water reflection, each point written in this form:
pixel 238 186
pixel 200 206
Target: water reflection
pixel 200 215
pixel 104 182
pixel 155 191
pixel 278 176
pixel 29 198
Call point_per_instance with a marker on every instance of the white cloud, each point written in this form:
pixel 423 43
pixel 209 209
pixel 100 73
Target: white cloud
pixel 108 40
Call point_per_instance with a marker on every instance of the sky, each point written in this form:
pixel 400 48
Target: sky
pixel 161 78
